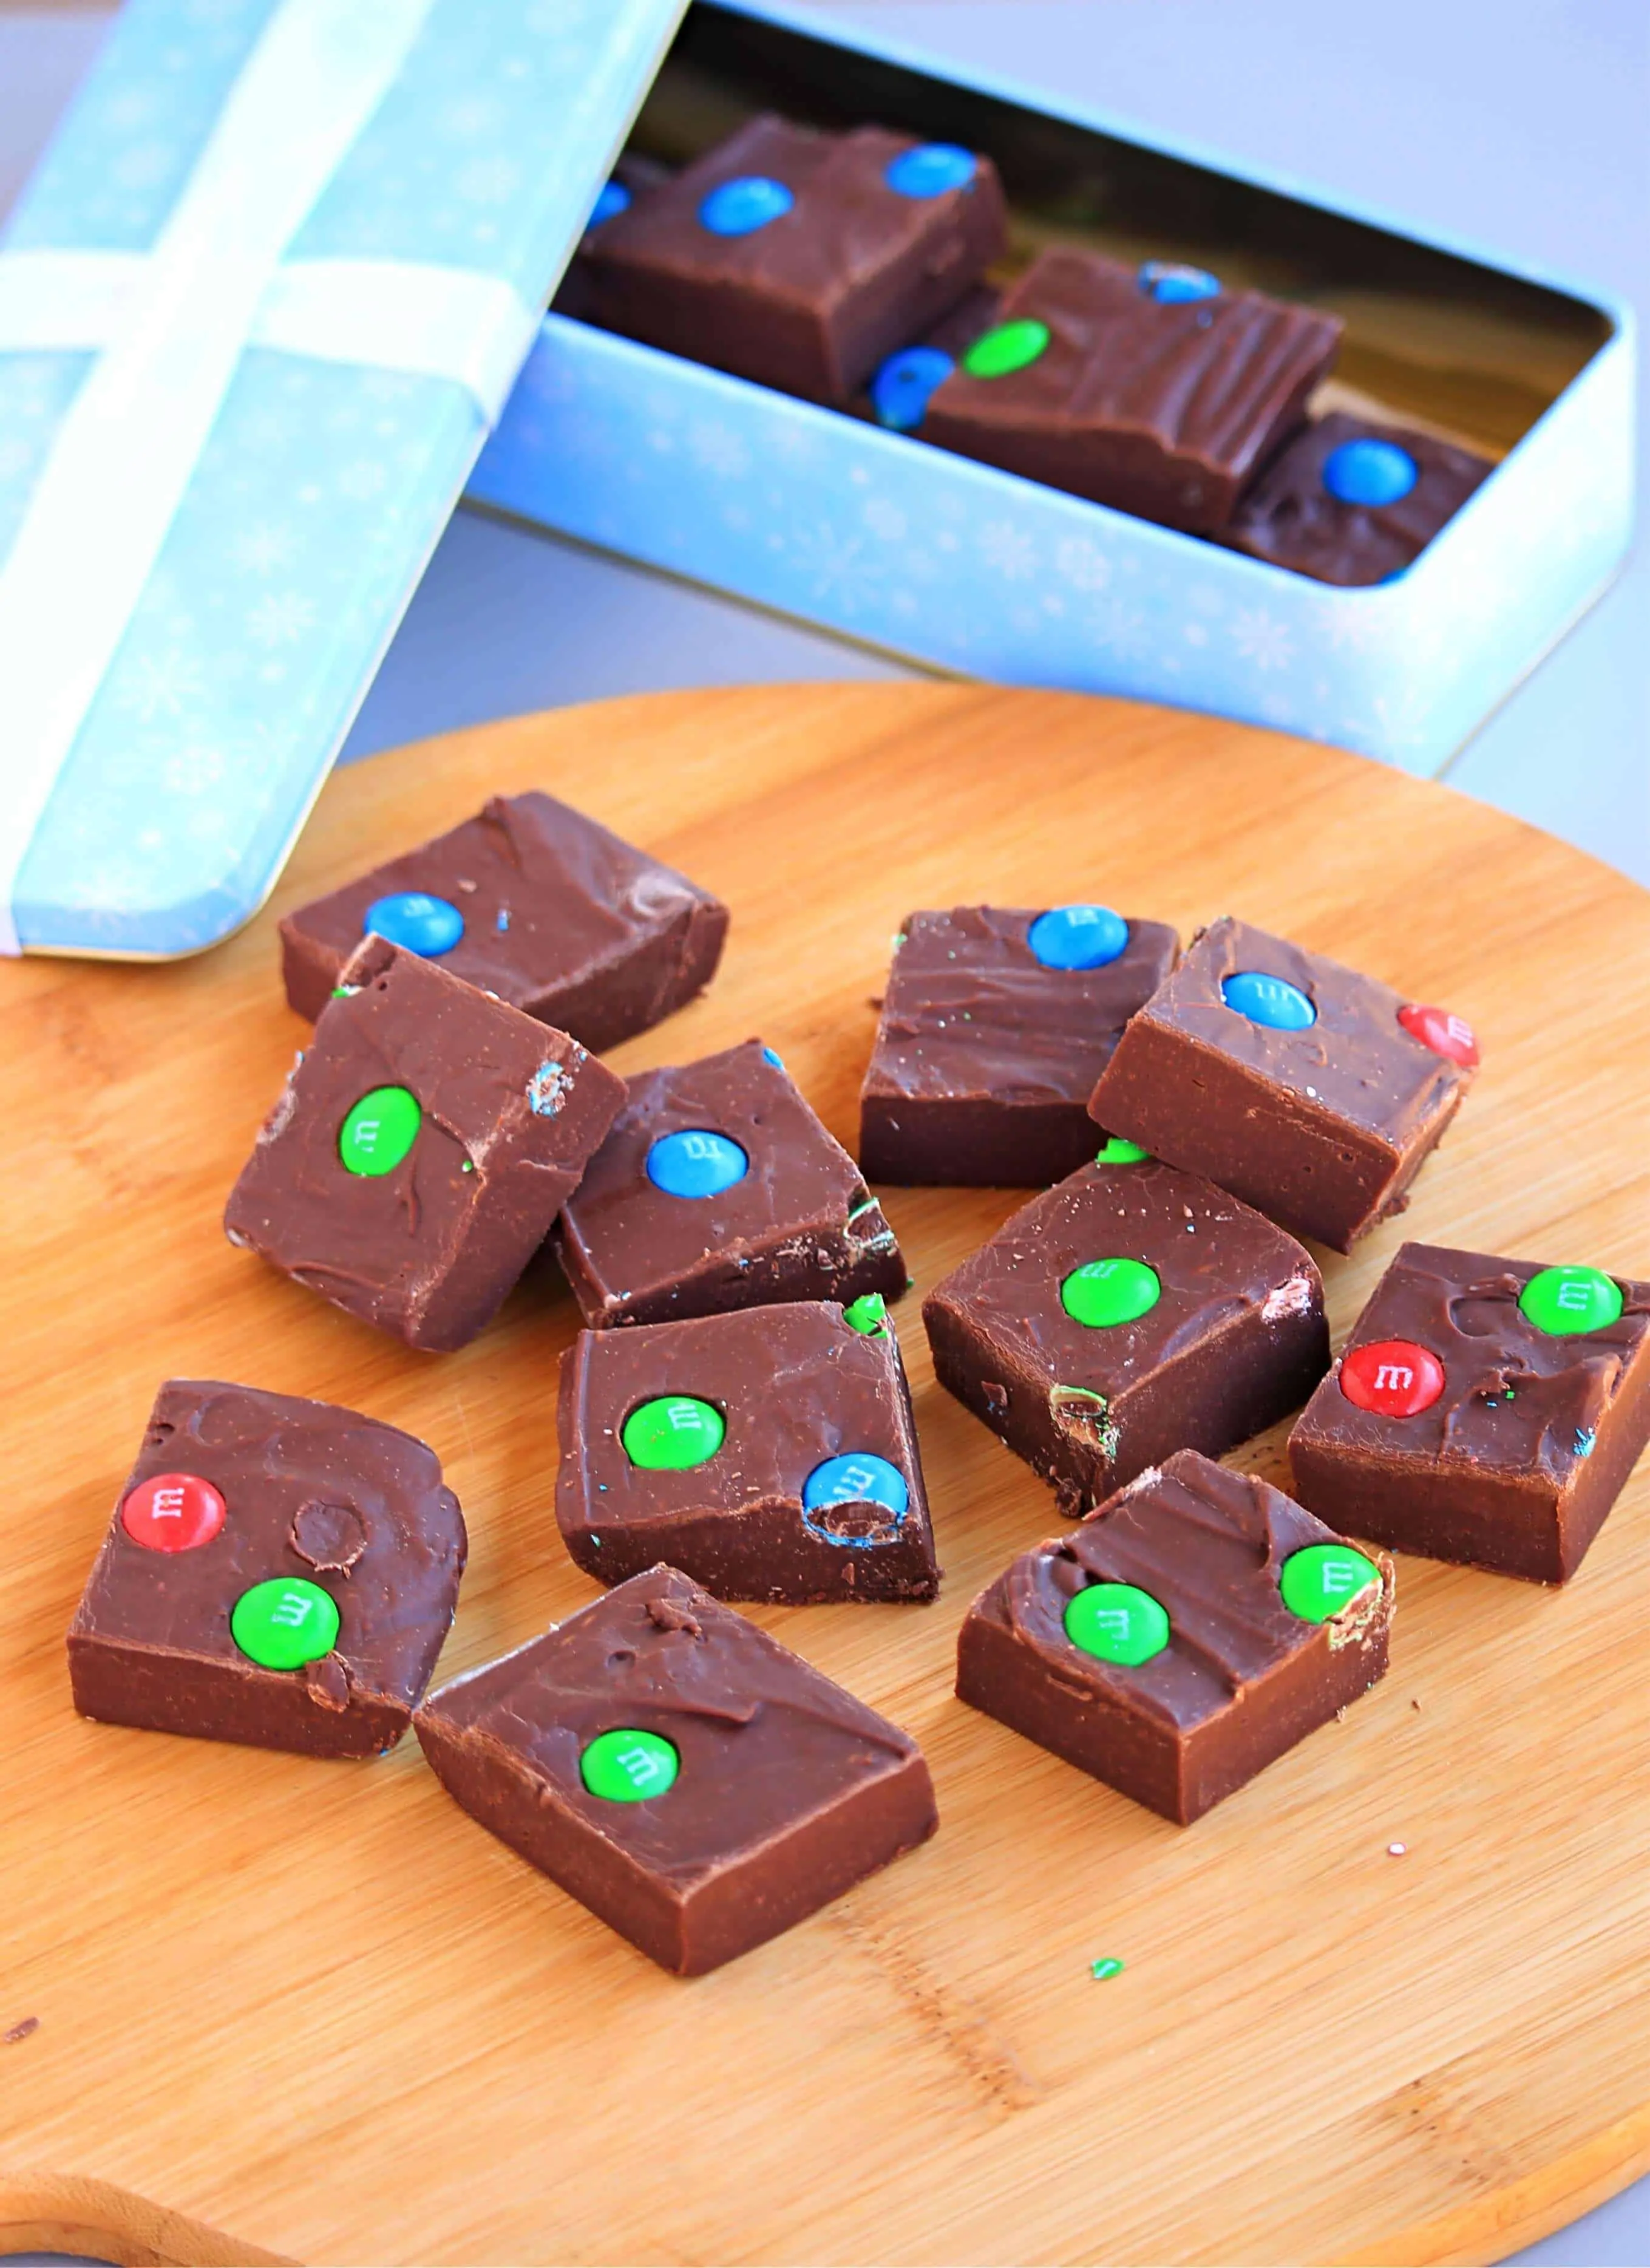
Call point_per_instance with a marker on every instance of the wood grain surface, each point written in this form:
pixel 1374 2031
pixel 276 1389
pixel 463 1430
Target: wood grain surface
pixel 315 2005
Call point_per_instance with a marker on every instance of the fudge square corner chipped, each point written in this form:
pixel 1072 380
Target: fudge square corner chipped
pixel 1485 1410
pixel 718 1188
pixel 1128 1311
pixel 1309 1091
pixel 1181 1638
pixel 417 1155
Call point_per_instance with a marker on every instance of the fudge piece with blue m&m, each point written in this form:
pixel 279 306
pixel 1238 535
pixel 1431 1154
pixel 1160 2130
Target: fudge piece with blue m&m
pixel 532 902
pixel 1350 503
pixel 718 1188
pixel 798 258
pixel 769 1454
pixel 1311 1092
pixel 1153 390
pixel 995 1026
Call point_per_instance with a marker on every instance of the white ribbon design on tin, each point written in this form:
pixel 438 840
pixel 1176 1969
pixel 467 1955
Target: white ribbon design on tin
pixel 169 326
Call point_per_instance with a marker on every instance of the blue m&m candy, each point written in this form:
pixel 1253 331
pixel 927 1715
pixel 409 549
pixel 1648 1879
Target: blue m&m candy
pixel 739 208
pixel 1369 472
pixel 696 1163
pixel 1269 1000
pixel 930 170
pixel 415 921
pixel 614 200
pixel 1174 286
pixel 1078 937
pixel 858 1478
pixel 901 388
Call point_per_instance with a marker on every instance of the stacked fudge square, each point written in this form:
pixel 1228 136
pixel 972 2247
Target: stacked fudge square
pixel 865 271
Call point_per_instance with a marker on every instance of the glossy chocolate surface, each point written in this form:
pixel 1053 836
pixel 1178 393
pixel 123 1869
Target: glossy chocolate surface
pixel 1322 1129
pixel 511 1110
pixel 309 1491
pixel 1289 517
pixel 1516 1465
pixel 985 1059
pixel 800 1225
pixel 1165 411
pixel 1235 1340
pixel 1242 1679
pixel 561 919
pixel 790 1790
pixel 794 1385
pixel 812 301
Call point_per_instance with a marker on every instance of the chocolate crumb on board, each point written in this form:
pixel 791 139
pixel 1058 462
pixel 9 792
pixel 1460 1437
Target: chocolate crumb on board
pixel 21 2030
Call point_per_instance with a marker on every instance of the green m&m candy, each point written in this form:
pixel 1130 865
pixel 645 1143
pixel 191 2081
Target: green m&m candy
pixel 1320 1580
pixel 1009 347
pixel 1118 1150
pixel 379 1130
pixel 1102 1293
pixel 1567 1300
pixel 1117 1622
pixel 627 1766
pixel 673 1433
pixel 284 1623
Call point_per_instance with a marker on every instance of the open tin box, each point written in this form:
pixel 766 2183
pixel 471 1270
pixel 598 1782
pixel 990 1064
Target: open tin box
pixel 270 286
pixel 964 568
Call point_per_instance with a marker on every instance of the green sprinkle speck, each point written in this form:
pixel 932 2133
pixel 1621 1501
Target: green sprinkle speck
pixel 1102 1969
pixel 469 1166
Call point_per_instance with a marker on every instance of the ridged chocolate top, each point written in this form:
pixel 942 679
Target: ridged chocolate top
pixel 1290 517
pixel 1195 394
pixel 1356 1061
pixel 763 1739
pixel 1516 1399
pixel 970 1011
pixel 308 1491
pixel 1209 1546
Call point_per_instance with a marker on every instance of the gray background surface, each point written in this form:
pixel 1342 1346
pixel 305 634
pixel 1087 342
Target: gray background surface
pixel 1520 123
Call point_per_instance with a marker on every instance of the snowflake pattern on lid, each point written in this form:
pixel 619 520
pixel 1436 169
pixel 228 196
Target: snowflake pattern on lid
pixel 322 486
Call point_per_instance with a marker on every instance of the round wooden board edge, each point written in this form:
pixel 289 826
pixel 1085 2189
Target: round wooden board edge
pixel 46 2211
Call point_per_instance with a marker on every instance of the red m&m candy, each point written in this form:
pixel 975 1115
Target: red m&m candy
pixel 1393 1377
pixel 172 1512
pixel 1444 1034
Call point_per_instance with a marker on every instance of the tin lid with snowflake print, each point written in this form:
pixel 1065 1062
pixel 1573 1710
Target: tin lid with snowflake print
pixel 259 307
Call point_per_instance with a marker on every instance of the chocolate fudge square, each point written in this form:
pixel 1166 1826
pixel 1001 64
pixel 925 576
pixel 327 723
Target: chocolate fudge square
pixel 679 1772
pixel 1185 1635
pixel 718 1188
pixel 1307 1090
pixel 995 1026
pixel 1350 502
pixel 1164 407
pixel 798 258
pixel 769 1455
pixel 1128 1311
pixel 535 903
pixel 277 1573
pixel 419 1150
pixel 1485 1410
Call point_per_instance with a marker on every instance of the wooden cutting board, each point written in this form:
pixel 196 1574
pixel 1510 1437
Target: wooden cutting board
pixel 315 2005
